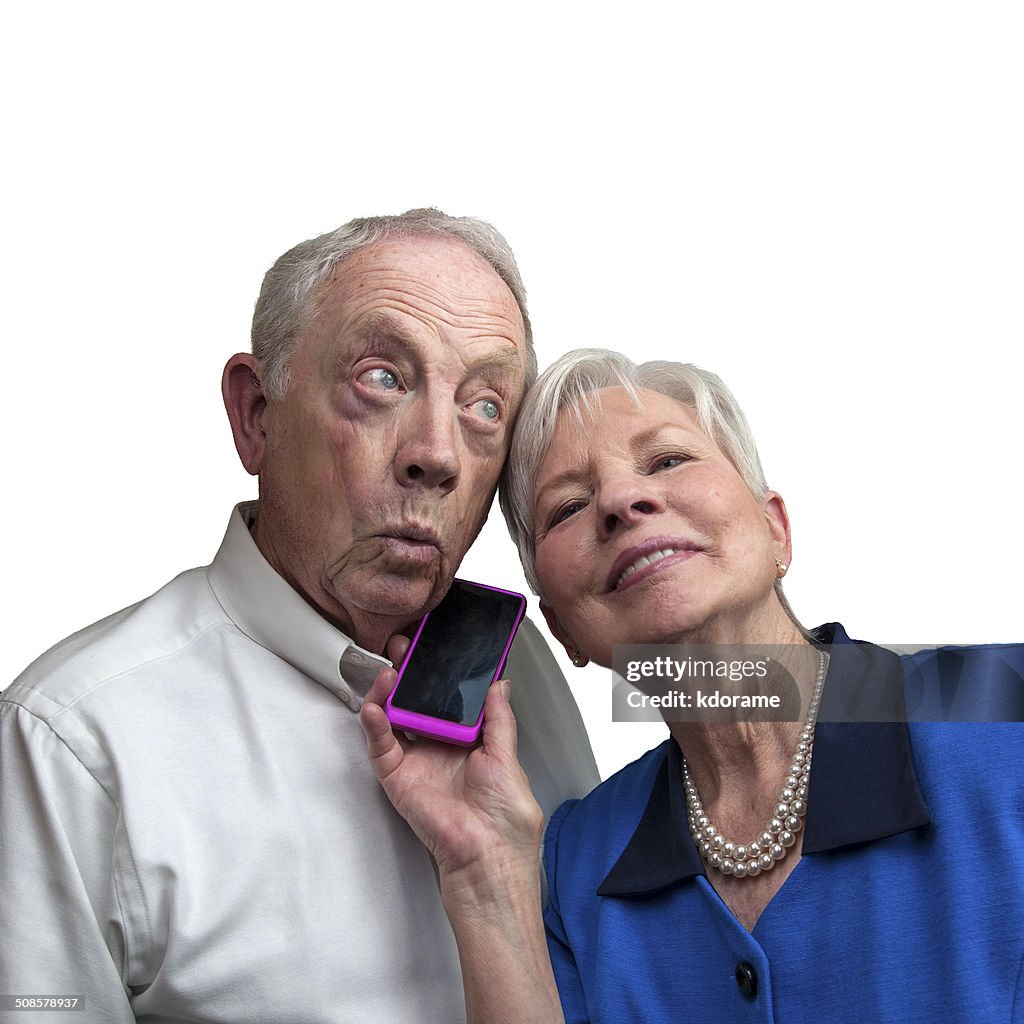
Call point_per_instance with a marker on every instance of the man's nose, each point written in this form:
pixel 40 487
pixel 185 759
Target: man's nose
pixel 429 455
pixel 624 500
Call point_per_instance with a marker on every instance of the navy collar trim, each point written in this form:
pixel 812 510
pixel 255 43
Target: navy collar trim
pixel 863 785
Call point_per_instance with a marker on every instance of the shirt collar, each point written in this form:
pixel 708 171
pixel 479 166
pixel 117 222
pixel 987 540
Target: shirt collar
pixel 273 614
pixel 863 785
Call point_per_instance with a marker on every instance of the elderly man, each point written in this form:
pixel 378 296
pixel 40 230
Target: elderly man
pixel 189 828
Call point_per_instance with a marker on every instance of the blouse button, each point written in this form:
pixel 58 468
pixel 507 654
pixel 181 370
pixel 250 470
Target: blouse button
pixel 746 978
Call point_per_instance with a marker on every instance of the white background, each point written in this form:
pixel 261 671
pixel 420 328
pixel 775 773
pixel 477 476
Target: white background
pixel 821 202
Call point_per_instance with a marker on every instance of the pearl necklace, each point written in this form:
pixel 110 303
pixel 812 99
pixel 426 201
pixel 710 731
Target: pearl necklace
pixel 745 860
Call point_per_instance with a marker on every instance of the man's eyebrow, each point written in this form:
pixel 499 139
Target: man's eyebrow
pixel 507 361
pixel 381 326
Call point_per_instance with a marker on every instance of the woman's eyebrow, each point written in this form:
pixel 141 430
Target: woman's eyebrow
pixel 639 442
pixel 568 478
pixel 645 438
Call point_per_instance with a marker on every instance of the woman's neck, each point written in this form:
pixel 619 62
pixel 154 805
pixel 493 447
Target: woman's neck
pixel 739 770
pixel 765 623
pixel 738 766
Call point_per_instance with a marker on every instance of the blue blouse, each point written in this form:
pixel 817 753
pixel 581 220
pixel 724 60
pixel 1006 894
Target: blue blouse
pixel 907 904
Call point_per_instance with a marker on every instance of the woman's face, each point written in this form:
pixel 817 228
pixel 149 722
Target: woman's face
pixel 646 533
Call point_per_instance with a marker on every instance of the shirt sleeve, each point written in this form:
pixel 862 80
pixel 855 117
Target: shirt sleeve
pixel 553 746
pixel 60 928
pixel 563 963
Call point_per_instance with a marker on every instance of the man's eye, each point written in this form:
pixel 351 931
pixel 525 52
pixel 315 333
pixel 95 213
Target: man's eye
pixel 488 408
pixel 380 379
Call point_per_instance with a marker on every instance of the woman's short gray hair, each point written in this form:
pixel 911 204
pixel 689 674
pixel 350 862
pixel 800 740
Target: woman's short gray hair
pixel 571 383
pixel 288 299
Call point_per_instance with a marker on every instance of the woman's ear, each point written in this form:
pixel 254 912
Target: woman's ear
pixel 245 404
pixel 778 525
pixel 558 631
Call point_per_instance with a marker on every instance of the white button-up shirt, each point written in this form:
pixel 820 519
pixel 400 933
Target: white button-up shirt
pixel 190 829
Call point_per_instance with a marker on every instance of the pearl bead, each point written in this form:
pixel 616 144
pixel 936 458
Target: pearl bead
pixel 762 853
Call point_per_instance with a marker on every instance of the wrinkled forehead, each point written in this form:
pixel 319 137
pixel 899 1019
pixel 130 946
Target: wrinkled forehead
pixel 450 279
pixel 425 298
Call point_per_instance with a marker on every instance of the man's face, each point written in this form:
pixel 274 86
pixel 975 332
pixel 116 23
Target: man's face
pixel 382 459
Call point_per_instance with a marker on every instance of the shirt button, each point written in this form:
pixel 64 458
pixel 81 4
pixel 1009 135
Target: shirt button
pixel 746 978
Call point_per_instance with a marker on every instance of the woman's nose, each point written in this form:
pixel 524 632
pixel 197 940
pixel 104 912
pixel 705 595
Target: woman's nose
pixel 626 501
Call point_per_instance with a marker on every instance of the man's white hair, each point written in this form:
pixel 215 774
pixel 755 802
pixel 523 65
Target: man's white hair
pixel 287 304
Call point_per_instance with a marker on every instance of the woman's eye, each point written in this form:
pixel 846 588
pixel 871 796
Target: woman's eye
pixel 380 379
pixel 668 462
pixel 567 511
pixel 488 408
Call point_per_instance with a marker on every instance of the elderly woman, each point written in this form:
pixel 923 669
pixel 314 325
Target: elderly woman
pixel 720 877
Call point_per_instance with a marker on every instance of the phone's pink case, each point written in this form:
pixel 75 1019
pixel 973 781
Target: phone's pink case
pixel 439 728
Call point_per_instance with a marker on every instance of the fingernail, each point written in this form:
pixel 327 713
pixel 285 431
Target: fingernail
pixel 505 686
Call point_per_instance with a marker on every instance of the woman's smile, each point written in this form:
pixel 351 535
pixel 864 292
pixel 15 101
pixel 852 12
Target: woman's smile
pixel 640 561
pixel 647 532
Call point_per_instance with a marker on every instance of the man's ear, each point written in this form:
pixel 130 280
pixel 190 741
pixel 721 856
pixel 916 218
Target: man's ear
pixel 245 403
pixel 558 631
pixel 778 525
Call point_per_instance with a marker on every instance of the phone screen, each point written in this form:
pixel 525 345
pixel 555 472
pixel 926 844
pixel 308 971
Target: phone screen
pixel 457 653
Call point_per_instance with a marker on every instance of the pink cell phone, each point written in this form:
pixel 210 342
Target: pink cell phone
pixel 458 650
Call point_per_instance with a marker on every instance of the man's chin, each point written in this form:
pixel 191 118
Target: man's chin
pixel 402 597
